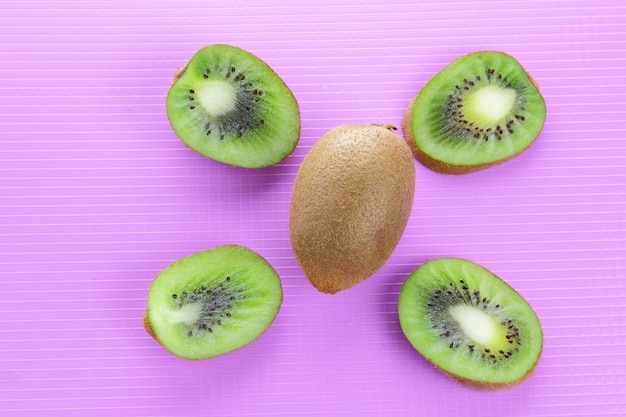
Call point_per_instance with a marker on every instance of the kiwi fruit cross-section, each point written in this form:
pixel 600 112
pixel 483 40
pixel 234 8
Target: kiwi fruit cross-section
pixel 230 106
pixel 479 111
pixel 470 324
pixel 213 302
pixel 350 204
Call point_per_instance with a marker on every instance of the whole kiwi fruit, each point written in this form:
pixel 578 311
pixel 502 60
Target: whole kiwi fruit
pixel 350 204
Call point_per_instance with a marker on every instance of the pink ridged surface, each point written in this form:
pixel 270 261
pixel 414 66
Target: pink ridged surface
pixel 97 195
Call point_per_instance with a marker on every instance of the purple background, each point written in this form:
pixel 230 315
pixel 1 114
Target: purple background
pixel 97 195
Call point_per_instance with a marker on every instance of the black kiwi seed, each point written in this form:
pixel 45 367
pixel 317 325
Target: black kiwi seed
pixel 214 303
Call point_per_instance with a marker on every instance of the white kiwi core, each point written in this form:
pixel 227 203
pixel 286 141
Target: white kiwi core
pixel 487 105
pixel 188 313
pixel 217 97
pixel 475 324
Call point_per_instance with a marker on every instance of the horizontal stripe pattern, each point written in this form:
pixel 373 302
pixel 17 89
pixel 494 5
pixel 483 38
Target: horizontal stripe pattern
pixel 97 195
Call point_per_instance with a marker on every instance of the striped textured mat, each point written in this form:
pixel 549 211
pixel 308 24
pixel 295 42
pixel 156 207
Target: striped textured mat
pixel 98 194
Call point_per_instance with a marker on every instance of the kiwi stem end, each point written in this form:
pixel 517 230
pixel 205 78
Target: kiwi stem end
pixel 179 73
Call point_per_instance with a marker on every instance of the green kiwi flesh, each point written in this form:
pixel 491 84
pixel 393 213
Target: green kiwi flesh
pixel 470 324
pixel 230 106
pixel 213 302
pixel 479 111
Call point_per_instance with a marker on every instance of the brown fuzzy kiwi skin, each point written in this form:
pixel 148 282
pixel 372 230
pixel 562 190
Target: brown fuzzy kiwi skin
pixel 439 166
pixel 488 386
pixel 148 327
pixel 179 73
pixel 350 204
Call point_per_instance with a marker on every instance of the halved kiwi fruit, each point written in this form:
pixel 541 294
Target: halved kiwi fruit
pixel 213 302
pixel 479 111
pixel 230 106
pixel 470 324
